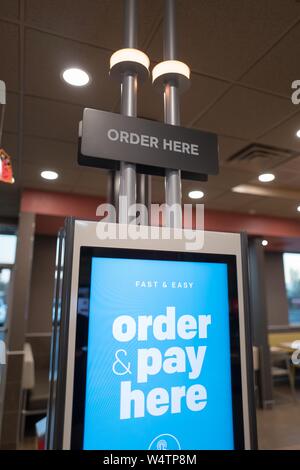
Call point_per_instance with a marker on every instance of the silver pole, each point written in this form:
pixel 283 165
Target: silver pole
pixel 172 116
pixel 128 108
pixel 144 196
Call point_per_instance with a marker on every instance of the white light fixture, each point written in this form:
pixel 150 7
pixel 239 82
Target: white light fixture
pixel 265 243
pixel 266 177
pixel 298 208
pixel 129 55
pixel 298 133
pixel 171 67
pixel 196 194
pixel 49 175
pixel 76 77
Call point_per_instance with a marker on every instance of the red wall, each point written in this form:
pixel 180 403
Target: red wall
pixel 51 209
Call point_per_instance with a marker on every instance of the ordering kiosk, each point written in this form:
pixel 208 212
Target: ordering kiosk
pixel 151 343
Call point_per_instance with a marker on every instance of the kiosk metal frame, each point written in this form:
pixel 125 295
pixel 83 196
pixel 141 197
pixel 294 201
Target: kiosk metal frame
pixel 79 234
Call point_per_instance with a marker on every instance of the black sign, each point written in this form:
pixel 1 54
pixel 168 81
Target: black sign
pixel 108 138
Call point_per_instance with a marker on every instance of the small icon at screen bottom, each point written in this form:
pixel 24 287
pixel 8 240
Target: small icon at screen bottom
pixel 165 442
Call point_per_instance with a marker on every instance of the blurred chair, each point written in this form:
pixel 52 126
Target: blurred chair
pixel 255 353
pixel 35 389
pixel 281 367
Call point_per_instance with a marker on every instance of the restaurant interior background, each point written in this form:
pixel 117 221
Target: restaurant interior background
pixel 244 58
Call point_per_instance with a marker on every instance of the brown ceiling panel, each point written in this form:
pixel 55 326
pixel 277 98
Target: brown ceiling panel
pixel 97 22
pixel 228 146
pixel 230 177
pixel 10 144
pixel 51 119
pixel 9 54
pixel 280 67
pixel 234 201
pixel 219 39
pixel 284 135
pixel 277 207
pixel 245 113
pixel 292 166
pixel 224 38
pixel 31 177
pixel 48 56
pixel 203 92
pixel 91 181
pixel 210 192
pixel 287 178
pixel 9 9
pixel 11 116
pixel 50 153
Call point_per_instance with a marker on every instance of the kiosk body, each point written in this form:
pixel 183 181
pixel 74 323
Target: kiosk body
pixel 154 348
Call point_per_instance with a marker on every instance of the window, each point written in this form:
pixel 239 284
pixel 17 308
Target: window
pixel 7 249
pixel 8 244
pixel 291 263
pixel 5 275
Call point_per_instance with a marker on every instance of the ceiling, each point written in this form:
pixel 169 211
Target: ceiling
pixel 244 55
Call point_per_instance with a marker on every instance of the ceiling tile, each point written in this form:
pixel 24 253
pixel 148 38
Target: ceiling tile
pixel 223 38
pixel 277 207
pixel 9 47
pixel 292 166
pixel 228 146
pixel 284 135
pixel 30 174
pixel 210 192
pixel 232 201
pixel 51 119
pixel 99 22
pixel 11 113
pixel 48 56
pixel 209 188
pixel 92 181
pixel 245 113
pixel 9 9
pixel 229 177
pixel 10 144
pixel 202 93
pixel 283 59
pixel 50 153
pixel 286 178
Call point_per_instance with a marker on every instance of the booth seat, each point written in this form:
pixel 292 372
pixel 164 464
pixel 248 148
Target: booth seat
pixel 35 380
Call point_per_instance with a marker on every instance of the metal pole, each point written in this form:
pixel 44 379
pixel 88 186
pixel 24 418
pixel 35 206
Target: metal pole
pixel 128 108
pixel 144 196
pixel 172 116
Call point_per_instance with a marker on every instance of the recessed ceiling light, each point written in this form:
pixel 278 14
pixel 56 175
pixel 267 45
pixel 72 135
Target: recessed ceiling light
pixel 76 77
pixel 265 243
pixel 298 133
pixel 49 175
pixel 266 177
pixel 196 194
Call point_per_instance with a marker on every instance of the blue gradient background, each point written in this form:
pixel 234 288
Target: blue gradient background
pixel 113 293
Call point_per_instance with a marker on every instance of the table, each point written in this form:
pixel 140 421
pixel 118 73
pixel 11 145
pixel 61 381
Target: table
pixel 291 345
